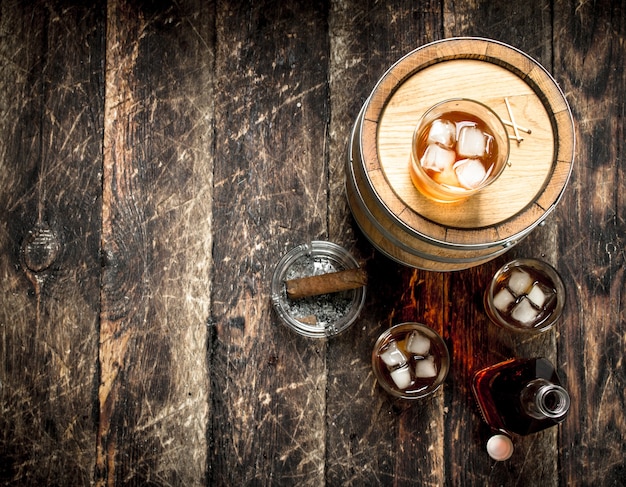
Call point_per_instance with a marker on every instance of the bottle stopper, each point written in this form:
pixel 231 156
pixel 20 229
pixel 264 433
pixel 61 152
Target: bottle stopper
pixel 500 447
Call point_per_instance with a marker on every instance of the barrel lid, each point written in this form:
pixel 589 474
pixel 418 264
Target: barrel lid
pixel 487 71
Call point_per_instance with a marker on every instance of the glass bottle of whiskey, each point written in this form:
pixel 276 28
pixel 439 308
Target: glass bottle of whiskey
pixel 521 396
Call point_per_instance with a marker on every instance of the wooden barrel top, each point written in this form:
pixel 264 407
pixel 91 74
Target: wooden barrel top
pixel 487 71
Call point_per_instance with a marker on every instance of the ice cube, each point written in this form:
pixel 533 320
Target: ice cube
pixel 470 173
pixel 442 132
pixel 425 368
pixel 503 300
pixel 401 377
pixel 540 295
pixel 519 282
pixel 418 344
pixel 489 144
pixel 460 125
pixel 472 142
pixel 393 356
pixel 437 158
pixel 525 313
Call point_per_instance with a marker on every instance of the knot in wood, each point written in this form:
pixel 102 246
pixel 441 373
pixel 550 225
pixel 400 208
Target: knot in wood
pixel 40 248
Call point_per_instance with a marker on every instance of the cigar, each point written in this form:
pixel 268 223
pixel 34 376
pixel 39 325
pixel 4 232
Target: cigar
pixel 332 282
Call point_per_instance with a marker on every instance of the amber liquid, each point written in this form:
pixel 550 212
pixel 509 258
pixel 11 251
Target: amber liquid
pixel 498 389
pixel 418 384
pixel 458 118
pixel 543 313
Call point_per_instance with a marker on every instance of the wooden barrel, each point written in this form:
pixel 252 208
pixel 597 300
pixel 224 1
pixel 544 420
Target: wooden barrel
pixel 418 232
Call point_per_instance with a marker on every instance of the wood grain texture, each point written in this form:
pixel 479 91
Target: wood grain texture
pixel 156 242
pixel 373 440
pixel 50 162
pixel 475 342
pixel 591 347
pixel 271 184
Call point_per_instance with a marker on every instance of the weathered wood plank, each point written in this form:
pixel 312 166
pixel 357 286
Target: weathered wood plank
pixel 271 184
pixel 589 52
pixel 51 101
pixel 525 25
pixel 366 38
pixel 476 342
pixel 373 439
pixel 156 241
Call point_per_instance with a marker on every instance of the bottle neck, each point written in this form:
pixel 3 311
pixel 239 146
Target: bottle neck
pixel 542 399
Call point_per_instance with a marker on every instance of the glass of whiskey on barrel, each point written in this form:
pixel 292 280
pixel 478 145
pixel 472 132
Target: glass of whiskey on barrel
pixel 526 295
pixel 460 146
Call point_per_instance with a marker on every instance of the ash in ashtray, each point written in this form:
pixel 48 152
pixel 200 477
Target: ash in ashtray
pixel 322 310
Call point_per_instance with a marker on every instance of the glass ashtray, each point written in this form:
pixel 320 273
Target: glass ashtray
pixel 324 315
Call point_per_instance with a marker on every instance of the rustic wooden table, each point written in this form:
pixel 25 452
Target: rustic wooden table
pixel 157 159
